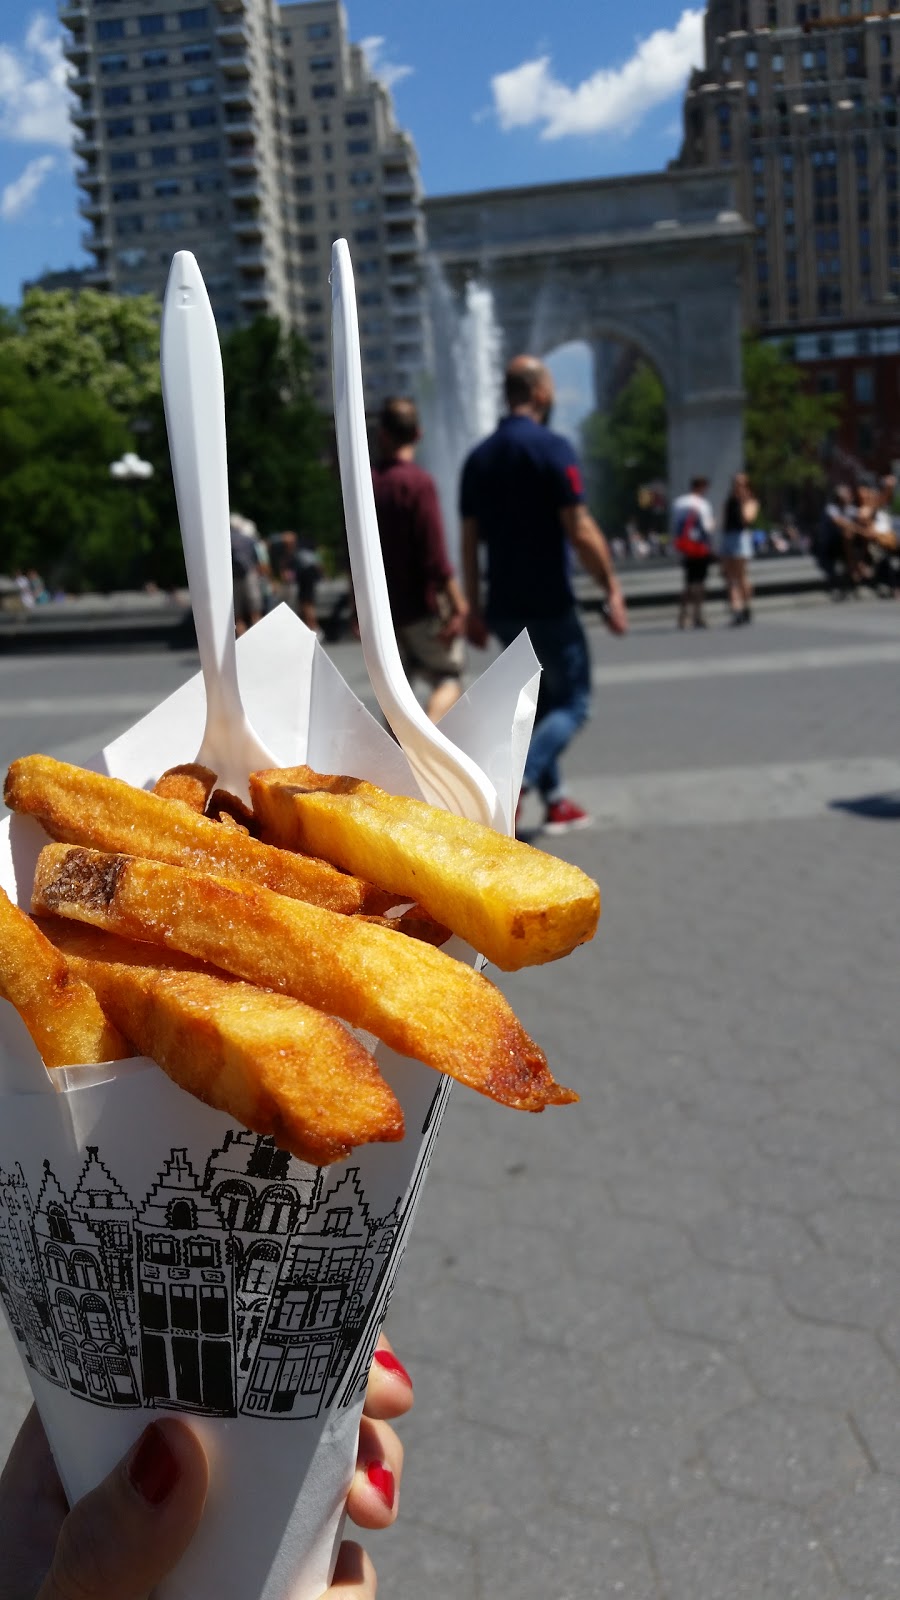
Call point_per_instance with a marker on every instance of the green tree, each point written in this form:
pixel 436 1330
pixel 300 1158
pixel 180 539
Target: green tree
pixel 786 428
pixel 106 343
pixel 278 442
pixel 625 447
pixel 59 510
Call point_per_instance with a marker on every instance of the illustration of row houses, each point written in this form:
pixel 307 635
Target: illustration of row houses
pixel 205 1296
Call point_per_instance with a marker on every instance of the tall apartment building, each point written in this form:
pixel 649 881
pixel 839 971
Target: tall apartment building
pixel 801 101
pixel 253 134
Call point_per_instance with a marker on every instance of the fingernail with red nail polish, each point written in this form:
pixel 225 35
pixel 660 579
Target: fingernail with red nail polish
pixel 388 1360
pixel 382 1480
pixel 153 1468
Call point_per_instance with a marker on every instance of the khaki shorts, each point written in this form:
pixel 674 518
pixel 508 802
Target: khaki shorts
pixel 423 652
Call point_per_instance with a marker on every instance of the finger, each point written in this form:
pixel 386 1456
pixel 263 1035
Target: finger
pixel 128 1533
pixel 354 1576
pixel 374 1495
pixel 390 1391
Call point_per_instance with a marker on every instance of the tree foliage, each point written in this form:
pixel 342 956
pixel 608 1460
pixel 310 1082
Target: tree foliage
pixel 625 447
pixel 278 456
pixel 86 340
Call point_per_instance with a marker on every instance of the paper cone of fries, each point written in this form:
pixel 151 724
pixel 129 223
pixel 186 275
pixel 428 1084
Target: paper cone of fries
pixel 156 1257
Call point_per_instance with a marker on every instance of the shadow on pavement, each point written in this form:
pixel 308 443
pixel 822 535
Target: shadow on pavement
pixel 877 807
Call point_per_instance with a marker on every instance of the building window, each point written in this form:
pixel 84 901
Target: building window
pixel 207 185
pixel 167 188
pixel 363 206
pixel 366 235
pixel 184 1306
pixel 371 297
pixel 111 28
pixel 358 147
pixel 202 116
pixel 113 63
pixel 155 58
pixel 193 54
pixel 96 1318
pixel 864 386
pixel 123 161
pixel 161 90
pixel 162 1250
pixel 323 91
pixel 321 63
pixel 120 95
pixel 299 126
pixel 154 1311
pixel 163 156
pixel 126 191
pixel 155 23
pixel 305 213
pixel 119 127
pixel 204 85
pixel 303 185
pixel 197 17
pixel 318 30
pixel 160 122
pixel 356 119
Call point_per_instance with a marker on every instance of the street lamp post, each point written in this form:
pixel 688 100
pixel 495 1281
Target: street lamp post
pixel 130 468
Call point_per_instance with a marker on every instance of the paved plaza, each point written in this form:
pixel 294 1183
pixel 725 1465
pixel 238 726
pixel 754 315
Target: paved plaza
pixel 656 1336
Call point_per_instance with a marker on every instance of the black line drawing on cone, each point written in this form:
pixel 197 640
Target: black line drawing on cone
pixel 255 1285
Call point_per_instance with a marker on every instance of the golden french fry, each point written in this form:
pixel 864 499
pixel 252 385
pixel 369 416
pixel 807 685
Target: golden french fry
pixel 277 1065
pixel 88 808
pixel 60 1012
pixel 416 924
pixel 418 1000
pixel 226 807
pixel 190 783
pixel 516 905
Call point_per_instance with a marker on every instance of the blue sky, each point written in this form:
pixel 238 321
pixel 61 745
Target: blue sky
pixel 495 92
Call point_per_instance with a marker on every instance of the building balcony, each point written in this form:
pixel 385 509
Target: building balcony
pixel 248 227
pixel 232 8
pixel 81 83
pixel 405 244
pixel 243 126
pixel 401 211
pixel 402 183
pixel 234 30
pixel 402 278
pixel 236 97
pixel 251 259
pixel 85 148
pixel 73 14
pixel 98 277
pixel 96 207
pixel 244 160
pixel 239 189
pixel 76 49
pixel 84 116
pixel 235 65
pixel 255 297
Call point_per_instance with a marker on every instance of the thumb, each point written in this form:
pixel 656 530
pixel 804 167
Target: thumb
pixel 123 1537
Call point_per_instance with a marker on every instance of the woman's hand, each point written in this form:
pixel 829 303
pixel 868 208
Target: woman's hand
pixel 128 1533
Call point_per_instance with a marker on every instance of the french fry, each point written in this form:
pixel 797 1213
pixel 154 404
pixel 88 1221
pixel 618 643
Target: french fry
pixel 419 1001
pixel 191 784
pixel 226 807
pixel 60 1012
pixel 516 905
pixel 276 1065
pixel 88 808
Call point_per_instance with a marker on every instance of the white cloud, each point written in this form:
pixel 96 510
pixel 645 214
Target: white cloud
pixel 18 195
pixel 613 99
pixel 33 102
pixel 386 71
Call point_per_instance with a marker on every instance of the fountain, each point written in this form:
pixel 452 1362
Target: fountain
pixel 460 397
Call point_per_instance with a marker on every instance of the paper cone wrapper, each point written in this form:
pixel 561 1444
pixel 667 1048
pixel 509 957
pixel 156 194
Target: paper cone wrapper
pixel 157 1257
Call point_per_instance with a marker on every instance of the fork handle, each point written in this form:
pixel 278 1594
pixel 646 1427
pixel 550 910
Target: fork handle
pixel 194 400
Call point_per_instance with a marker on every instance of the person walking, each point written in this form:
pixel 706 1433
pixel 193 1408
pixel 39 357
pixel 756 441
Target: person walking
pixel 741 511
pixel 427 603
pixel 248 602
pixel 522 498
pixel 693 526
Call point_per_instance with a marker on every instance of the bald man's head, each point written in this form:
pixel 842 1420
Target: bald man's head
pixel 528 385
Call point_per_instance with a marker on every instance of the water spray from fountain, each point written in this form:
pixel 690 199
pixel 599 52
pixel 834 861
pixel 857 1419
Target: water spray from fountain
pixel 460 398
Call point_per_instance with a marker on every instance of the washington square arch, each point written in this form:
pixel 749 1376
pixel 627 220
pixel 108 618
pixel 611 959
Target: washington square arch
pixel 654 260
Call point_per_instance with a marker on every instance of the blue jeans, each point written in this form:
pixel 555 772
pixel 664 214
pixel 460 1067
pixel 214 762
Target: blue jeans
pixel 564 701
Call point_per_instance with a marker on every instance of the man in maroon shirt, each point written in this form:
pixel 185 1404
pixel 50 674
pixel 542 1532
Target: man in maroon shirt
pixel 427 604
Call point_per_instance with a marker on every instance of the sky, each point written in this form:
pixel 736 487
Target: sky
pixel 494 92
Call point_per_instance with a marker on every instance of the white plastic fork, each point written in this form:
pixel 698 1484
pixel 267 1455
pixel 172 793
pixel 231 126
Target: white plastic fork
pixel 194 399
pixel 446 776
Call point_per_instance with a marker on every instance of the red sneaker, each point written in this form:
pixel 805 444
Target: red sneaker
pixel 564 814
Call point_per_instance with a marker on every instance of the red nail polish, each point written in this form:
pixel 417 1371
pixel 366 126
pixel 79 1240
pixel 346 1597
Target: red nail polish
pixel 153 1468
pixel 388 1360
pixel 382 1479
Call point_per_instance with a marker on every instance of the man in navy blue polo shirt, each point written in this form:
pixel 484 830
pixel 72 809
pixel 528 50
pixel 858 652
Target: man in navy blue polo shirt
pixel 522 497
